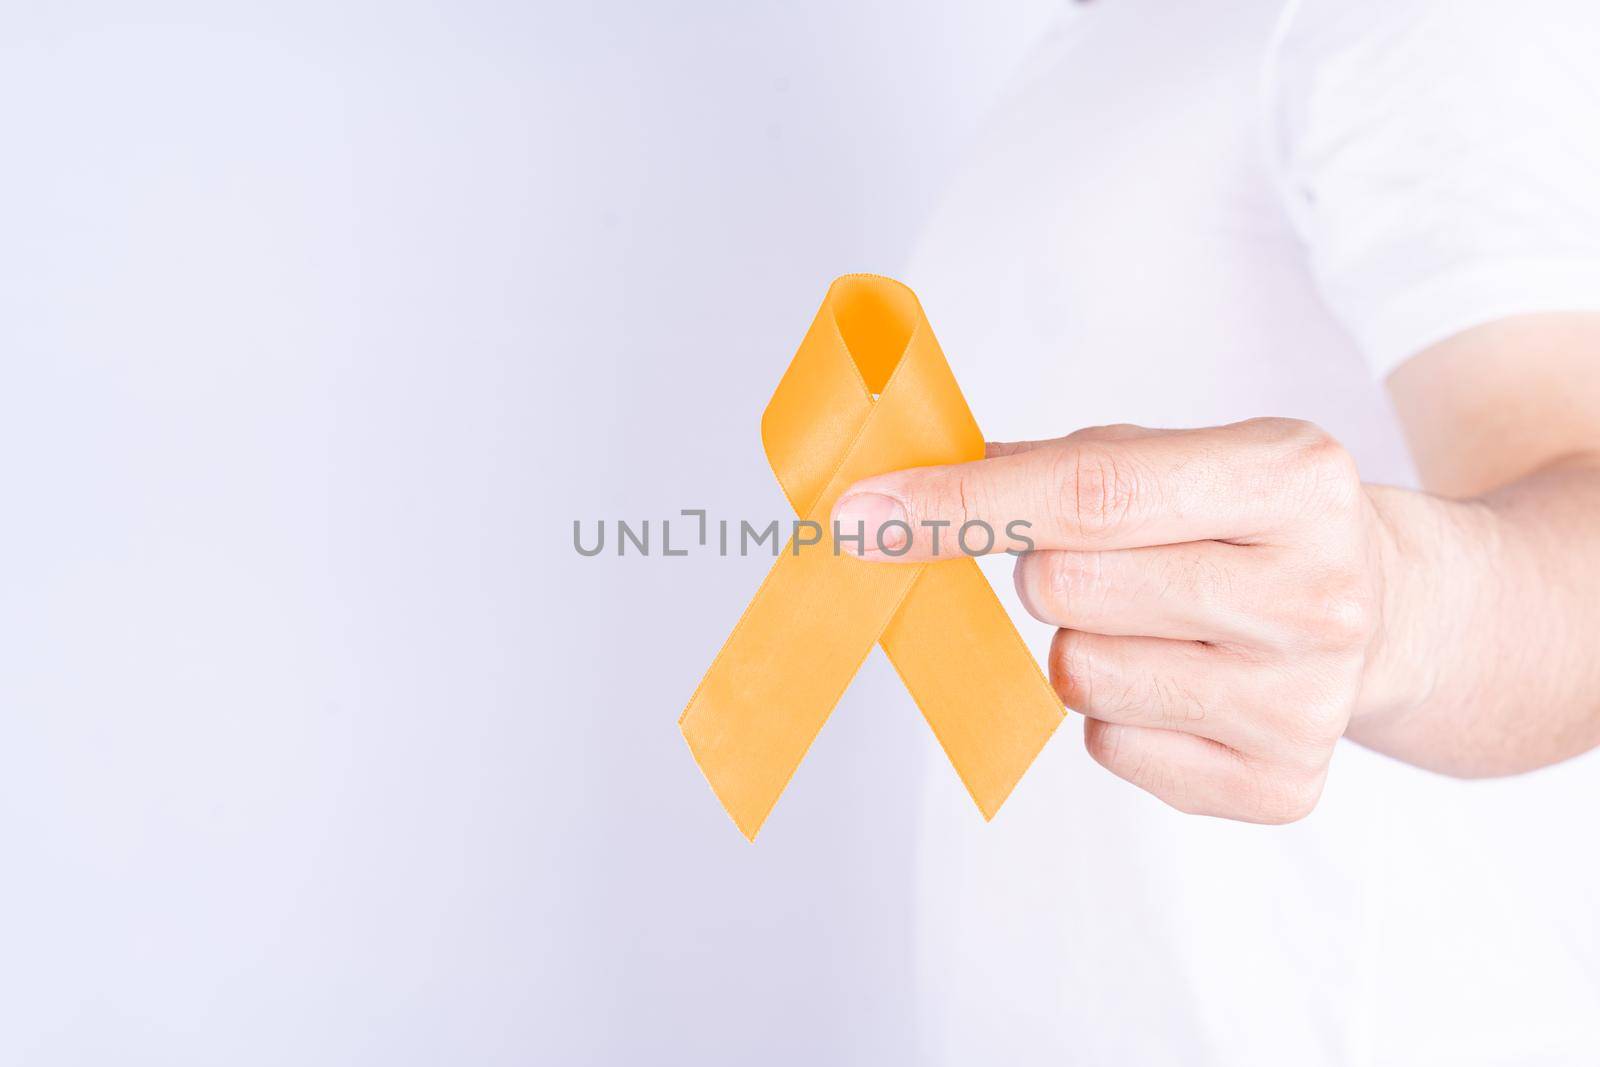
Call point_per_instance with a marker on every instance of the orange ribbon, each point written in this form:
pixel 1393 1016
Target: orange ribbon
pixel 869 391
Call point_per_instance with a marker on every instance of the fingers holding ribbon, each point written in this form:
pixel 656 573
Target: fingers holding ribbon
pixel 1216 594
pixel 1216 590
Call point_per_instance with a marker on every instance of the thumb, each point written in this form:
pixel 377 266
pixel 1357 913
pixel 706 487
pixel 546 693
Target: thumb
pixel 965 509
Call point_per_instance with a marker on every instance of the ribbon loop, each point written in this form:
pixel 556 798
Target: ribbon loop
pixel 869 391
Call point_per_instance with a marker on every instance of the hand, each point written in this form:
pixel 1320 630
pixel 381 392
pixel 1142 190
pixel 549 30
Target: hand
pixel 1219 595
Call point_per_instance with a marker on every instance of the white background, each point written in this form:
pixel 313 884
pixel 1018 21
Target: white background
pixel 319 324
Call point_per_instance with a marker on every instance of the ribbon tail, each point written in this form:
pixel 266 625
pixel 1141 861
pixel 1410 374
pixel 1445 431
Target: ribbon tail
pixel 782 670
pixel 973 678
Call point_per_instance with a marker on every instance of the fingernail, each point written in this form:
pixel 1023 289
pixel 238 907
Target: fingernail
pixel 870 512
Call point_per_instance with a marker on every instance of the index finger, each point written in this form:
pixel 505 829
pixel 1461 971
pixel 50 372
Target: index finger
pixel 1236 482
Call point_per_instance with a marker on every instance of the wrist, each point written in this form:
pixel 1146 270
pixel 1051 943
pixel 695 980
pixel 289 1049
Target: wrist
pixel 1430 555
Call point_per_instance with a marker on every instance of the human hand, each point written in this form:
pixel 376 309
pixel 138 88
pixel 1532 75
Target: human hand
pixel 1219 595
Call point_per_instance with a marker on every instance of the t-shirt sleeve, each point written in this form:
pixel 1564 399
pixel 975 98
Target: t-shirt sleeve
pixel 1441 160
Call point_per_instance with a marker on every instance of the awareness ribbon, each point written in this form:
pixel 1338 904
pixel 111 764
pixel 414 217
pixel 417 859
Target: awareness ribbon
pixel 869 391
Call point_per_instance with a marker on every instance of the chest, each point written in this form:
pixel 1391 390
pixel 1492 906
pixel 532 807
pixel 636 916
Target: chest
pixel 1117 248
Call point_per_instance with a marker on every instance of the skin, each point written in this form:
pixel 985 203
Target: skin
pixel 1231 601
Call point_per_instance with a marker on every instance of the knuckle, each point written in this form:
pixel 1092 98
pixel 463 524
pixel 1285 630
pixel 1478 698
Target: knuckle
pixel 1037 585
pixel 1198 578
pixel 1103 741
pixel 1176 790
pixel 1292 435
pixel 1088 683
pixel 1099 490
pixel 1337 613
pixel 1176 705
pixel 1059 576
pixel 1347 618
pixel 1283 798
pixel 1332 610
pixel 1064 580
pixel 1138 765
pixel 1081 679
pixel 1316 724
pixel 1276 428
pixel 1325 467
pixel 1303 712
pixel 1310 459
pixel 1069 669
pixel 1109 430
pixel 1060 653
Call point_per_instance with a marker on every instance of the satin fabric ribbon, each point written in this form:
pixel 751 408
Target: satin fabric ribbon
pixel 869 391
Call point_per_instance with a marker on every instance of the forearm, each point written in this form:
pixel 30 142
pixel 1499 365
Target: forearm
pixel 1488 657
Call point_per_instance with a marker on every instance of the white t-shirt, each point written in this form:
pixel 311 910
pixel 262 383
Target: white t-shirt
pixel 1193 213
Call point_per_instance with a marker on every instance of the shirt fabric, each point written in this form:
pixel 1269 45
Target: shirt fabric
pixel 1190 214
